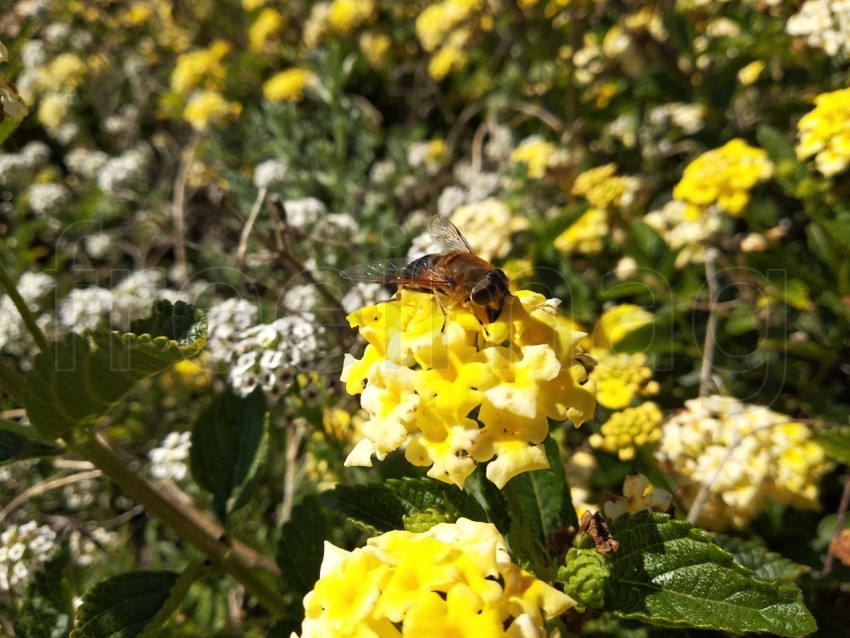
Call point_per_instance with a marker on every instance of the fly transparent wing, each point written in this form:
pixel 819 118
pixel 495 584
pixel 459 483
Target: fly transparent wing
pixel 379 272
pixel 446 235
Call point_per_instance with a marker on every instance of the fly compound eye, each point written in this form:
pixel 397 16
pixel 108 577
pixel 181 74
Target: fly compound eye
pixel 482 292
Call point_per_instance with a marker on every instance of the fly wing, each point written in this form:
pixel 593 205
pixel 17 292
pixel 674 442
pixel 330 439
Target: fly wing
pixel 446 235
pixel 380 272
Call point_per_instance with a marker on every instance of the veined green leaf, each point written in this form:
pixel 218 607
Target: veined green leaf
pixel 669 573
pixel 301 546
pixel 228 445
pixel 79 379
pixel 121 606
pixel 766 565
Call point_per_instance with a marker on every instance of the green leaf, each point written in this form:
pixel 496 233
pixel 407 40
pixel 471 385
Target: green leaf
pixel 668 573
pixel 772 141
pixel 372 507
pixel 765 565
pixel 301 546
pixel 835 442
pixel 491 499
pixel 543 498
pixel 121 606
pixel 421 494
pixel 14 447
pixel 179 322
pixel 76 381
pixel 838 229
pixel 228 445
pixel 794 293
pixel 46 611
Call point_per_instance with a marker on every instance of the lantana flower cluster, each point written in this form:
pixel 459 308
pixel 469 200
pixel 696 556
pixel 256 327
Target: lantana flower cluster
pixel 455 392
pixel 456 579
pixel 723 177
pixel 630 429
pixel 746 454
pixel 825 132
pixel 620 376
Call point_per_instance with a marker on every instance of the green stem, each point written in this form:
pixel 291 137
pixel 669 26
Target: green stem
pixel 207 536
pixel 29 319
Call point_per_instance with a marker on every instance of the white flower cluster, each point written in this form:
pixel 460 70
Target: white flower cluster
pixel 270 173
pixel 125 172
pixel 270 355
pixel 23 549
pixel 14 338
pixel 131 299
pixel 745 454
pixel 169 460
pixel 226 321
pixel 692 235
pixel 824 23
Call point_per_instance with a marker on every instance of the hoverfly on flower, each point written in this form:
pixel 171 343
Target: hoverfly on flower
pixel 456 275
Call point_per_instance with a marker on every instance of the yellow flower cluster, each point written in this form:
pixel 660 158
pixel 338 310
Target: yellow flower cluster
pixel 456 579
pixel 586 235
pixel 269 23
pixel 723 177
pixel 825 132
pixel 204 107
pixel 630 429
pixel 602 187
pixel 745 454
pixel 288 86
pixel 443 31
pixel 457 393
pixel 346 15
pixel 620 376
pixel 536 153
pixel 638 494
pixel 202 68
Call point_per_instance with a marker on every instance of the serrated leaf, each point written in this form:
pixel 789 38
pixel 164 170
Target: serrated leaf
pixel 46 610
pixel 835 442
pixel 668 573
pixel 301 546
pixel 543 497
pixel 373 507
pixel 765 565
pixel 228 446
pixel 421 494
pixel 79 379
pixel 121 606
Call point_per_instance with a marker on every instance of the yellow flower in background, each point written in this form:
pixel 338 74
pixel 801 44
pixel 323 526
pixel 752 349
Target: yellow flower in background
pixel 269 23
pixel 200 68
pixel 630 429
pixel 456 394
pixel 723 177
pixel 345 15
pixel 746 454
pixel 602 187
pixel 53 110
pixel 450 57
pixel 375 47
pixel 620 376
pixel 536 153
pixel 825 132
pixel 288 86
pixel 456 579
pixel 686 228
pixel 586 235
pixel 439 19
pixel 64 72
pixel 751 73
pixel 638 494
pixel 204 107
